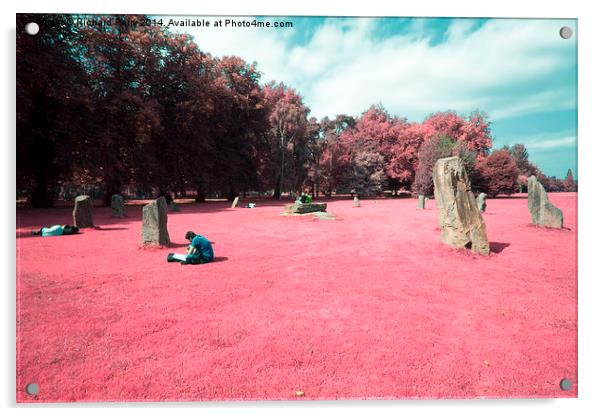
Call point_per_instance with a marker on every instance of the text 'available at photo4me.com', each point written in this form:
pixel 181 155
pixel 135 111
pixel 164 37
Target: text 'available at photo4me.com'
pixel 175 22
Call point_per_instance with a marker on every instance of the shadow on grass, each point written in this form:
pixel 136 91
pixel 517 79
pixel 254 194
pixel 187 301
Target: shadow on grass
pixel 219 259
pixel 27 234
pixel 176 245
pixel 496 247
pixel 514 196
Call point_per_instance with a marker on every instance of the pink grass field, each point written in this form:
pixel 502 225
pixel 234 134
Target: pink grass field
pixel 369 306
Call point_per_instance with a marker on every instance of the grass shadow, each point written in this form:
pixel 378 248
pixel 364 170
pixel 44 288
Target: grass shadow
pixel 219 259
pixel 496 247
pixel 177 245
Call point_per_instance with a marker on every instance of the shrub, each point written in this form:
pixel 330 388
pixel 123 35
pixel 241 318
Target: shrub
pixel 431 151
pixel 499 173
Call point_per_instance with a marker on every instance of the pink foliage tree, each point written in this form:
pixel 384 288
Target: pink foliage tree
pixel 474 131
pixel 500 172
pixel 335 157
pixel 287 135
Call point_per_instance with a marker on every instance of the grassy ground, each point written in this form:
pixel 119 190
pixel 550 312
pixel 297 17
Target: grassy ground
pixel 369 305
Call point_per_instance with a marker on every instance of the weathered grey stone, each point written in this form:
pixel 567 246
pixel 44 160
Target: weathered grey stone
pixel 174 207
pixel 154 223
pixel 460 220
pixel 421 201
pixel 356 201
pixel 301 208
pixel 234 203
pixel 482 201
pixel 82 212
pixel 117 206
pixel 543 213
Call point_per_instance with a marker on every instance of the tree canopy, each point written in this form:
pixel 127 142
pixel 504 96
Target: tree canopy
pixel 114 106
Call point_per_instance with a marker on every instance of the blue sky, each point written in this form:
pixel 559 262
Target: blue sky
pixel 519 71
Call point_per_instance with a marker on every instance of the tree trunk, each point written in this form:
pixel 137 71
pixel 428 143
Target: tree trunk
pixel 167 195
pixel 42 155
pixel 200 193
pixel 281 166
pixel 277 190
pixel 231 192
pixel 113 188
pixel 41 197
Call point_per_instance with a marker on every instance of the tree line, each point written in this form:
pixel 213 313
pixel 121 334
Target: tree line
pixel 131 105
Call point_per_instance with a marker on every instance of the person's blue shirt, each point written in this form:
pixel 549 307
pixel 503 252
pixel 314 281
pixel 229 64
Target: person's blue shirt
pixel 55 230
pixel 202 251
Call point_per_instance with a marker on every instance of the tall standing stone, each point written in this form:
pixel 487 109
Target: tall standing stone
pixel 356 201
pixel 543 213
pixel 421 201
pixel 117 206
pixel 482 201
pixel 234 203
pixel 154 223
pixel 82 212
pixel 460 220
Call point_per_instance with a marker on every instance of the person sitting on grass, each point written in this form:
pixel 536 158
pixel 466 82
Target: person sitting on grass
pixel 199 251
pixel 56 230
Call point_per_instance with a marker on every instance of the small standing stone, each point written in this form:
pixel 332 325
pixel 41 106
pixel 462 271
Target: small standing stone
pixel 117 206
pixel 154 223
pixel 234 203
pixel 543 213
pixel 482 201
pixel 82 212
pixel 356 201
pixel 460 220
pixel 421 201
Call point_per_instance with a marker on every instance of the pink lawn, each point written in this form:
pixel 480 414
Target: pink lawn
pixel 370 305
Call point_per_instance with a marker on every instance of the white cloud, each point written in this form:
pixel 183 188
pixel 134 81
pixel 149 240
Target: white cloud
pixel 548 141
pixel 506 67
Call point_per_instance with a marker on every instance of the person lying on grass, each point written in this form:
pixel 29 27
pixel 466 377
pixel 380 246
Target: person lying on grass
pixel 199 251
pixel 56 230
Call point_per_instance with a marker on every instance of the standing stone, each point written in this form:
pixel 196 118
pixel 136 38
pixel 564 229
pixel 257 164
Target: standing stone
pixel 543 213
pixel 460 220
pixel 117 206
pixel 174 207
pixel 235 202
pixel 482 201
pixel 82 212
pixel 421 201
pixel 154 223
pixel 356 201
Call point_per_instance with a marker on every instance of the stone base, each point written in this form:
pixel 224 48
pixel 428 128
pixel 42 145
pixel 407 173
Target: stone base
pixel 82 212
pixel 154 223
pixel 117 206
pixel 421 201
pixel 461 223
pixel 482 202
pixel 300 208
pixel 543 213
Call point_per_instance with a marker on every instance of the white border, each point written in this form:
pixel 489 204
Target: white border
pixel 589 178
